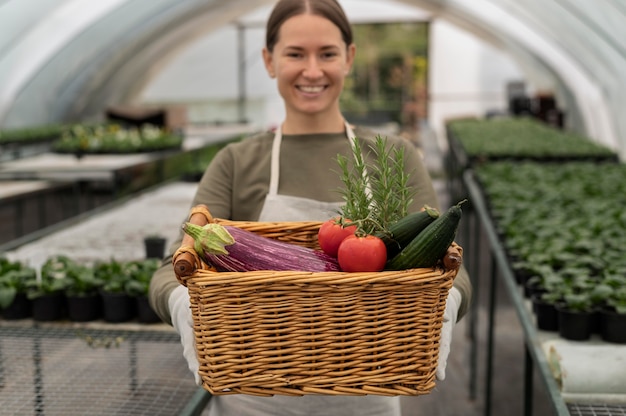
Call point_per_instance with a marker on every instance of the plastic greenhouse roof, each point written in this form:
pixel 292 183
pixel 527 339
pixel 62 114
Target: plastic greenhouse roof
pixel 62 60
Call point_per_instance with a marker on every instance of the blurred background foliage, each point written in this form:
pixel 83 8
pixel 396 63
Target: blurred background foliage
pixel 389 77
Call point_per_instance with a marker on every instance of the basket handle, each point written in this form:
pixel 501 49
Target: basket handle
pixel 185 259
pixel 453 258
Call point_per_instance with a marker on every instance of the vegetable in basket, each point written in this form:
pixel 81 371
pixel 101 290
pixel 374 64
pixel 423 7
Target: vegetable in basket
pixel 332 232
pixel 430 245
pixel 233 249
pixel 362 254
pixel 402 232
pixel 386 236
pixel 376 195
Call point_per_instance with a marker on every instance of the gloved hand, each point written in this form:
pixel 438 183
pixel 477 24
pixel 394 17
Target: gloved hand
pixel 449 320
pixel 182 321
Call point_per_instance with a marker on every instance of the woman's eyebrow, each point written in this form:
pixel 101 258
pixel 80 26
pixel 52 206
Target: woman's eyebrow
pixel 300 48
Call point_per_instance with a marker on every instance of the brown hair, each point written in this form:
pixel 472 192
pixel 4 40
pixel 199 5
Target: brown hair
pixel 284 9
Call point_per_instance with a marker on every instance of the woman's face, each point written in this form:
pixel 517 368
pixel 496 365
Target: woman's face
pixel 309 61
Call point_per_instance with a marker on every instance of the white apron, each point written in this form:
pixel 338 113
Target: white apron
pixel 289 208
pixel 292 208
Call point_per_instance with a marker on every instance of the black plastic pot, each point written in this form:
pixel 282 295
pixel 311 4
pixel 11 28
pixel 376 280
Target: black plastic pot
pixel 117 307
pixel 612 326
pixel 145 313
pixel 155 247
pixel 49 307
pixel 20 308
pixel 546 314
pixel 575 326
pixel 84 308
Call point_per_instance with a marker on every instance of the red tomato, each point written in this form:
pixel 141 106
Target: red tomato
pixel 362 254
pixel 331 234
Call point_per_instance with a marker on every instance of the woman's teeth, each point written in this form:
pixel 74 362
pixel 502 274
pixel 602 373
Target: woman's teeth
pixel 311 89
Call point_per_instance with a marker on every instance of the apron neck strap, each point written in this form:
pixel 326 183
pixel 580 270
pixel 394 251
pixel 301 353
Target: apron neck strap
pixel 275 156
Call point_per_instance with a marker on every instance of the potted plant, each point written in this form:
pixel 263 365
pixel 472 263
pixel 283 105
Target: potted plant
pixel 115 138
pixel 82 295
pixel 543 278
pixel 14 276
pixel 544 306
pixel 613 312
pixel 576 315
pixel 48 291
pixel 117 305
pixel 140 273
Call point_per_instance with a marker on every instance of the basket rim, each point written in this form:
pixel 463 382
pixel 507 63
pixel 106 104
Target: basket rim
pixel 303 233
pixel 407 277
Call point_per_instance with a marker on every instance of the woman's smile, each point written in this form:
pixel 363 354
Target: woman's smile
pixel 311 89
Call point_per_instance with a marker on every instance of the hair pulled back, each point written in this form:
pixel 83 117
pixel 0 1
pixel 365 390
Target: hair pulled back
pixel 284 9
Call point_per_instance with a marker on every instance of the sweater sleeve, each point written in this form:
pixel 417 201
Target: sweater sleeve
pixel 213 190
pixel 163 283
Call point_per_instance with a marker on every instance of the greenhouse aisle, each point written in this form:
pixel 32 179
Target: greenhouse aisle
pixel 119 233
pixel 462 393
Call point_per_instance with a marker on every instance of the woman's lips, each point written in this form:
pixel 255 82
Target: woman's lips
pixel 311 89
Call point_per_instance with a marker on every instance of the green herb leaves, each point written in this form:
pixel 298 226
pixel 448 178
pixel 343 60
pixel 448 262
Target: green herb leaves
pixel 375 194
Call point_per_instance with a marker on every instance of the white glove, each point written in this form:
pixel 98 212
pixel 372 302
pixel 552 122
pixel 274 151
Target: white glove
pixel 449 320
pixel 180 311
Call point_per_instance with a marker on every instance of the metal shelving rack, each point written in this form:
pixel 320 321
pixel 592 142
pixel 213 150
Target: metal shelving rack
pixel 97 369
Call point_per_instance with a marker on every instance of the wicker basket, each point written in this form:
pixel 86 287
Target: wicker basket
pixel 334 333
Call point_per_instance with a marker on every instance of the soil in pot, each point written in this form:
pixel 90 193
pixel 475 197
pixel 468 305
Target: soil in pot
pixel 545 313
pixel 20 308
pixel 84 308
pixel 117 307
pixel 49 307
pixel 575 326
pixel 612 326
pixel 145 313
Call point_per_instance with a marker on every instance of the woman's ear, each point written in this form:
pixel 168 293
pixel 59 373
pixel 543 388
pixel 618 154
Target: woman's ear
pixel 269 62
pixel 351 52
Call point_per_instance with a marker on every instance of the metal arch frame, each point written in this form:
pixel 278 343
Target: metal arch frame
pixel 120 74
pixel 23 66
pixel 122 66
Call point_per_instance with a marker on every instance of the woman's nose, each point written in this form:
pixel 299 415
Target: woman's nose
pixel 312 68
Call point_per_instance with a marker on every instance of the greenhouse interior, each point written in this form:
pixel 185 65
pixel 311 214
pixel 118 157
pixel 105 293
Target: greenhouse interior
pixel 112 111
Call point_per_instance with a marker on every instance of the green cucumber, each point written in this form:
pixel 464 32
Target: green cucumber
pixel 399 234
pixel 429 246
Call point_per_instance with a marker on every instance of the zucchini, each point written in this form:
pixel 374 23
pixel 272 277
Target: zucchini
pixel 402 232
pixel 232 249
pixel 429 246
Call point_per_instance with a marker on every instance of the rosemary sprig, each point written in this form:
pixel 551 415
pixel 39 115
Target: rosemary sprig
pixel 376 194
pixel 356 193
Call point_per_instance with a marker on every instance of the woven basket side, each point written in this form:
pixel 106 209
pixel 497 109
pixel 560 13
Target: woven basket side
pixel 301 337
pixel 335 333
